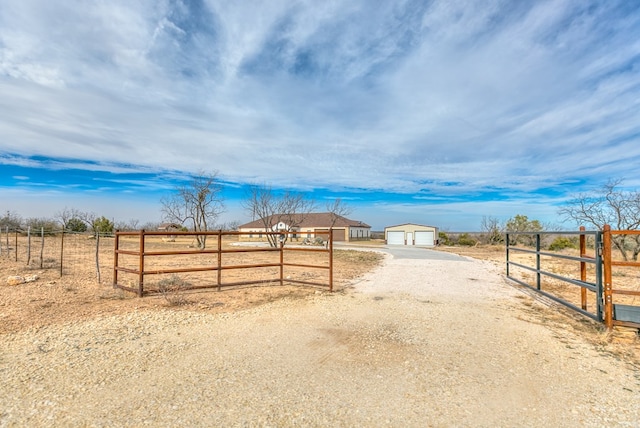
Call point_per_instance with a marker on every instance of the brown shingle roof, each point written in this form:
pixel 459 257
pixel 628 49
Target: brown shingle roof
pixel 309 220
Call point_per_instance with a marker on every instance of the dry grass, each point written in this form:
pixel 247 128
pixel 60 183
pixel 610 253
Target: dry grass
pixel 77 295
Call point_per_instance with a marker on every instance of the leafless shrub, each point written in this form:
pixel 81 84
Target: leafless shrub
pixel 173 290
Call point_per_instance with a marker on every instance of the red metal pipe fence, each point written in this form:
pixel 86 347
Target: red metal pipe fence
pixel 224 259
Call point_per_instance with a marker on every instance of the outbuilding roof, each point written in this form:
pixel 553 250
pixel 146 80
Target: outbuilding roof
pixel 411 224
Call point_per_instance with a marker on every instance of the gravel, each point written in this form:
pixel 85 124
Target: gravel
pixel 415 343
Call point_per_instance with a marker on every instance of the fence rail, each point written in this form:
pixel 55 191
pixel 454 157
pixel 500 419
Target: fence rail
pixel 143 261
pixel 595 274
pixel 584 259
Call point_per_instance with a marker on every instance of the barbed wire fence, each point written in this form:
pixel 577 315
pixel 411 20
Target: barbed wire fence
pixel 85 256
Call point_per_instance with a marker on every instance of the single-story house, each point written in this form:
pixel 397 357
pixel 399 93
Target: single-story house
pixel 411 234
pixel 170 227
pixel 309 226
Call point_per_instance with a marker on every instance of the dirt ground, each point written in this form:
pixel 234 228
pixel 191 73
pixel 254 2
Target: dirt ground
pixel 621 341
pixel 52 299
pixel 404 342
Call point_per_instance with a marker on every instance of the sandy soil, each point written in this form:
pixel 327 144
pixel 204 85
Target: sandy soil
pixel 411 343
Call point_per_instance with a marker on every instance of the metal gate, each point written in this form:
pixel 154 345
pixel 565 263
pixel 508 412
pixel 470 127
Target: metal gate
pixel 598 299
pixel 618 311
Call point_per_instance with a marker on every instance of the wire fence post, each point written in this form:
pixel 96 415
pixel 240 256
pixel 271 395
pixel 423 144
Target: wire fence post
pixel 28 245
pixel 538 266
pixel 41 247
pixel 98 256
pixel 61 252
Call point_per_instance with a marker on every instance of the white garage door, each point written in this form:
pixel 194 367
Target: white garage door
pixel 395 238
pixel 425 238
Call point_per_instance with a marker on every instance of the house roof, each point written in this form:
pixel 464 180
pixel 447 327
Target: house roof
pixel 308 220
pixel 166 226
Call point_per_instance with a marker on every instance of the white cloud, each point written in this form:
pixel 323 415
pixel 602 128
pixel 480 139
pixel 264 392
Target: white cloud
pixel 510 95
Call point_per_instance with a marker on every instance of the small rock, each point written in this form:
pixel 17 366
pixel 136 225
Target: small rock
pixel 31 278
pixel 15 280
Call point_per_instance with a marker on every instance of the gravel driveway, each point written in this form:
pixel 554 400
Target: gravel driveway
pixel 422 341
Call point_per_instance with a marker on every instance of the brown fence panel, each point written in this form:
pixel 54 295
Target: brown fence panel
pixel 230 262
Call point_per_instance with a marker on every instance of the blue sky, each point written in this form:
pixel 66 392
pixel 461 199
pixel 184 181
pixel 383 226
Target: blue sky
pixel 436 112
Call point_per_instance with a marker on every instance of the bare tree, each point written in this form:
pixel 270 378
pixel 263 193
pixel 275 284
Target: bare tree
pixel 198 203
pixel 69 216
pixel 64 216
pixel 277 212
pixel 493 230
pixel 228 226
pixel 132 224
pixel 610 205
pixel 338 209
pixel 11 221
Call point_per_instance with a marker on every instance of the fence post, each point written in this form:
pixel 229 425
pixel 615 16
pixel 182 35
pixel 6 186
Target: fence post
pixel 141 265
pixel 281 261
pixel 583 268
pixel 61 252
pixel 219 259
pixel 16 247
pixel 98 256
pixel 28 245
pixel 506 241
pixel 608 298
pixel 330 260
pixel 599 266
pixel 41 247
pixel 116 247
pixel 538 276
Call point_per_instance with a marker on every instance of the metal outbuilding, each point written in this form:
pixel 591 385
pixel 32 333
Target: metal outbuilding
pixel 411 234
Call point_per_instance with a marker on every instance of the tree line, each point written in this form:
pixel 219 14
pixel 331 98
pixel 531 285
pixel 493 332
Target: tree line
pixel 68 220
pixel 198 204
pixel 610 204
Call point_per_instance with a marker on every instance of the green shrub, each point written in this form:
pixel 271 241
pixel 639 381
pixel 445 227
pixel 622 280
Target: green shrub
pixel 443 239
pixel 466 240
pixel 103 225
pixel 76 225
pixel 561 242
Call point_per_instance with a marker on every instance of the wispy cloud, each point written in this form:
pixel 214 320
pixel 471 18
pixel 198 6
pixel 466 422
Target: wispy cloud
pixel 399 96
